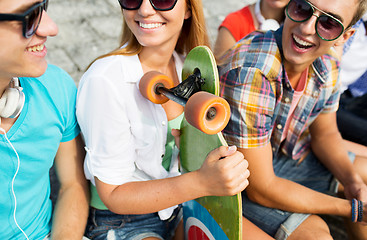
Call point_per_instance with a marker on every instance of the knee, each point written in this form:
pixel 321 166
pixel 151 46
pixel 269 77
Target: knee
pixel 318 236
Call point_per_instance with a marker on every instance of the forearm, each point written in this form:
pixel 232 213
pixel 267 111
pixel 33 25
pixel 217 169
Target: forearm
pixel 154 195
pixel 71 213
pixel 272 191
pixel 293 197
pixel 223 173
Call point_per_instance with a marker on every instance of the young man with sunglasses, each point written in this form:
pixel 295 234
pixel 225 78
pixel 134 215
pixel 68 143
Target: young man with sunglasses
pixel 283 89
pixel 37 128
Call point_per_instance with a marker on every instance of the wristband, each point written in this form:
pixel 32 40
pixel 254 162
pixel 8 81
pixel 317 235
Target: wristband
pixel 354 210
pixel 360 211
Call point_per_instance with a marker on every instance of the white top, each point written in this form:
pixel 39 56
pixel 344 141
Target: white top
pixel 125 134
pixel 265 24
pixel 354 64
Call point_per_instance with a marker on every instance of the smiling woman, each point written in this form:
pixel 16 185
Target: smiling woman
pixel 30 142
pixel 156 4
pixel 131 156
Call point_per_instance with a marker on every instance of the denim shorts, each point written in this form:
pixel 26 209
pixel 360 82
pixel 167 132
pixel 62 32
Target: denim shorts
pixel 309 173
pixel 48 237
pixel 104 224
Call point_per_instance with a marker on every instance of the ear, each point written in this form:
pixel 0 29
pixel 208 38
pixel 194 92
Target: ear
pixel 188 13
pixel 344 37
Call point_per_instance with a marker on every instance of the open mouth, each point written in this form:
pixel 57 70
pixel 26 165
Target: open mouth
pixel 38 48
pixel 150 25
pixel 301 43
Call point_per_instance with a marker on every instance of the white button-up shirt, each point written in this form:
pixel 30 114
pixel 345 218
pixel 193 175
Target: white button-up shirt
pixel 125 134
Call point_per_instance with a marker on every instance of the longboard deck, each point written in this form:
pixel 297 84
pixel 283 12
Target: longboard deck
pixel 226 212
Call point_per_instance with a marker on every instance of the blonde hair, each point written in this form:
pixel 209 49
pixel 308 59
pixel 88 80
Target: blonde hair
pixel 193 34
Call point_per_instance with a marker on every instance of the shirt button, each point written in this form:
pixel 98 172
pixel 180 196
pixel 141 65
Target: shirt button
pixel 273 149
pixel 279 126
pixel 287 100
pixel 163 123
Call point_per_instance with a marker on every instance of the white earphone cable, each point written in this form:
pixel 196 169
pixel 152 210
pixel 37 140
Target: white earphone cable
pixel 12 182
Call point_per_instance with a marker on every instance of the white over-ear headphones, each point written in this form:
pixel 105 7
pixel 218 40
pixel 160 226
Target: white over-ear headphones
pixel 12 100
pixel 265 24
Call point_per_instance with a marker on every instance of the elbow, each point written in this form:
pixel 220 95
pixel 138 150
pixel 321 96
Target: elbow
pixel 112 208
pixel 255 196
pixel 77 190
pixel 110 205
pixel 261 197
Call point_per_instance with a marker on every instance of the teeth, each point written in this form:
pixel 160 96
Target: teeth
pixel 150 25
pixel 301 42
pixel 38 48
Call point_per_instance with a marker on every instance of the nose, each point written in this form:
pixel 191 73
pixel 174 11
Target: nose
pixel 146 8
pixel 47 26
pixel 309 26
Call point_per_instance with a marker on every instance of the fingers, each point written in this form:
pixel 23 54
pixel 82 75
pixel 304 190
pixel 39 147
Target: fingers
pixel 176 134
pixel 221 152
pixel 238 177
pixel 234 161
pixel 233 183
pixel 229 151
pixel 226 171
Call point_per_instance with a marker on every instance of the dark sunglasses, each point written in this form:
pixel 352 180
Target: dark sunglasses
pixel 159 5
pixel 327 27
pixel 30 19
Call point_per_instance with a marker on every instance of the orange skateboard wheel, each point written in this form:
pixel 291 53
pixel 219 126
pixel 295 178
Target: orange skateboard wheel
pixel 150 82
pixel 207 112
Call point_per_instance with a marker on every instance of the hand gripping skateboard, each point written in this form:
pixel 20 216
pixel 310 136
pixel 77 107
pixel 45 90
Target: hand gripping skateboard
pixel 206 115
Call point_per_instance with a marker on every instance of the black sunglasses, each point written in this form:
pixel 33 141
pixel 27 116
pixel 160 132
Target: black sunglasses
pixel 30 19
pixel 327 27
pixel 159 5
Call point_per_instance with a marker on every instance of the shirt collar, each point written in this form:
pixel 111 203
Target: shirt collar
pixel 135 70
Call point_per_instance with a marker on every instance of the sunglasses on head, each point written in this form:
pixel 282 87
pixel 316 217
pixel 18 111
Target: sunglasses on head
pixel 30 19
pixel 159 5
pixel 327 27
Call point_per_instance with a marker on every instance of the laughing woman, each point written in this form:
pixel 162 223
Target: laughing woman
pixel 131 159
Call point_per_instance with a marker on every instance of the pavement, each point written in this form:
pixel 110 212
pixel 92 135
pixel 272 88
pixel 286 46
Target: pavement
pixel 90 28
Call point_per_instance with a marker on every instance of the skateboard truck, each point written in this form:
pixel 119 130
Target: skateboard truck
pixel 182 92
pixel 205 111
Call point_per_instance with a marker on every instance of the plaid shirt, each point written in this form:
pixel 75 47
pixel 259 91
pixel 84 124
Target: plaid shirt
pixel 256 86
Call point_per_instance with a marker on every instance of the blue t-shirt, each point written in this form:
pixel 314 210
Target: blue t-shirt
pixel 47 118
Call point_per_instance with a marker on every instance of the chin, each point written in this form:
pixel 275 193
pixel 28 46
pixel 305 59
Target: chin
pixel 36 71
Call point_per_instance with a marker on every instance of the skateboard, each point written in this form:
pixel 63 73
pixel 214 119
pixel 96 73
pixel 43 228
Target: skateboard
pixel 206 115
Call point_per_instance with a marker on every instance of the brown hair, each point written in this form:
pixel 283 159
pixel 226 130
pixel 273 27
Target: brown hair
pixel 361 9
pixel 193 34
